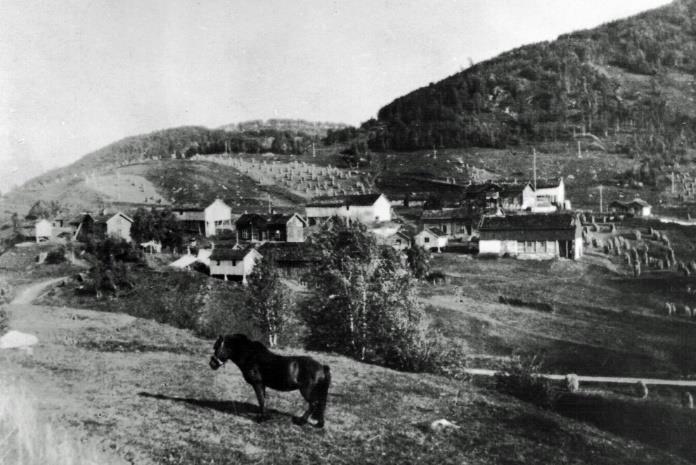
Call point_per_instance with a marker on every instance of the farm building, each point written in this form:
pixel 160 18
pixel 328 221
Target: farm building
pixel 398 241
pixel 234 263
pixel 251 227
pixel 551 193
pixel 275 227
pixel 291 258
pixel 490 197
pixel 116 225
pixel 83 227
pixel 456 223
pixel 636 207
pixel 365 208
pixel 43 230
pixel 431 239
pixel 534 235
pixel 206 221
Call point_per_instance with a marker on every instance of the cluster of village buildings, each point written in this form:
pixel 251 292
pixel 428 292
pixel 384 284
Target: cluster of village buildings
pixel 502 219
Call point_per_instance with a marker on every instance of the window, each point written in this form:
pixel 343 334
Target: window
pixel 426 240
pixel 245 234
pixel 398 242
pixel 444 228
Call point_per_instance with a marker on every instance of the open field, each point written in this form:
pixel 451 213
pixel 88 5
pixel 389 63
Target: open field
pixel 602 322
pixel 144 392
pixel 126 188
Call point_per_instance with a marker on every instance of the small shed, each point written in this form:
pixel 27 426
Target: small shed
pixel 431 239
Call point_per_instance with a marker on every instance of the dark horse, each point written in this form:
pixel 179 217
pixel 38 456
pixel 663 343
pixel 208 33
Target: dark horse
pixel 262 368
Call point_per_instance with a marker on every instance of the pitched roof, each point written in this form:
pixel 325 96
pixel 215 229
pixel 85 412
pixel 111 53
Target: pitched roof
pixel 188 208
pixel 280 219
pixel 434 231
pixel 230 253
pixel 357 200
pixel 290 251
pixel 548 184
pixel 253 219
pixel 529 222
pixel 446 214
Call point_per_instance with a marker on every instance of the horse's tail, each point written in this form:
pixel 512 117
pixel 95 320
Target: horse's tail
pixel 322 394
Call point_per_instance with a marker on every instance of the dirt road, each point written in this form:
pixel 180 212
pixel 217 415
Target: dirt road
pixel 27 294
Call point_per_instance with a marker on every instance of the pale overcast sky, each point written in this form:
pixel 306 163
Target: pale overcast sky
pixel 77 75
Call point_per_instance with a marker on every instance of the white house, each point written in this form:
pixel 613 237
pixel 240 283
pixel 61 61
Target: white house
pixel 218 217
pixel 119 225
pixel 233 262
pixel 551 193
pixel 43 230
pixel 431 238
pixel 208 221
pixel 534 235
pixel 366 208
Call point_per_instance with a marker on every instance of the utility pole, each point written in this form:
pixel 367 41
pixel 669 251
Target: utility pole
pixel 579 150
pixel 314 151
pixel 672 182
pixel 600 198
pixel 534 167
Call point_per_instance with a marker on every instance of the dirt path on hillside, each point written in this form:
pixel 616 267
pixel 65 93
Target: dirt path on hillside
pixel 27 294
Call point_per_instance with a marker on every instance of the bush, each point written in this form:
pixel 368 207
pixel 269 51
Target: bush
pixel 541 306
pixel 521 380
pixel 436 277
pixel 55 256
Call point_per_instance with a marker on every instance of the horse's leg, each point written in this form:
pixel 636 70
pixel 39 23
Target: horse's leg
pixel 260 391
pixel 306 393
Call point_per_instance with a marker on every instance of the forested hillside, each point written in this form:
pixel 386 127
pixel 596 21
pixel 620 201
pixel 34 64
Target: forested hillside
pixel 630 82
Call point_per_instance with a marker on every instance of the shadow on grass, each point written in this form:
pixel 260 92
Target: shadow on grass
pixel 241 409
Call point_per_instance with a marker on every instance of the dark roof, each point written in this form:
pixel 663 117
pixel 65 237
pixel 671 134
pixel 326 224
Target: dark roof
pixel 253 219
pixel 359 200
pixel 532 226
pixel 548 184
pixel 290 251
pixel 436 231
pixel 188 208
pixel 474 189
pixel 79 218
pixel 508 190
pixel 230 253
pixel 627 204
pixel 279 219
pixel 531 221
pixel 446 214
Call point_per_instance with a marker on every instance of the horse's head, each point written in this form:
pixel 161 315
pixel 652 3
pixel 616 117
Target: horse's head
pixel 219 356
pixel 228 348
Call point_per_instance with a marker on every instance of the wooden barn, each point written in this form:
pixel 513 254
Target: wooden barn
pixel 533 235
pixel 293 259
pixel 254 227
pixel 635 207
pixel 365 208
pixel 233 263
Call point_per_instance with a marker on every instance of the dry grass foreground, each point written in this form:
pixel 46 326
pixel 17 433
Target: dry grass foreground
pixel 144 392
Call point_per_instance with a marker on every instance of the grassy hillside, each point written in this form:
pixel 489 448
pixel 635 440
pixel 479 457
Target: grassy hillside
pixel 630 82
pixel 144 392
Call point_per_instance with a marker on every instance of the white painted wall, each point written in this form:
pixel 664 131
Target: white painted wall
pixel 240 268
pixel 118 226
pixel 43 229
pixel 218 216
pixel 378 212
